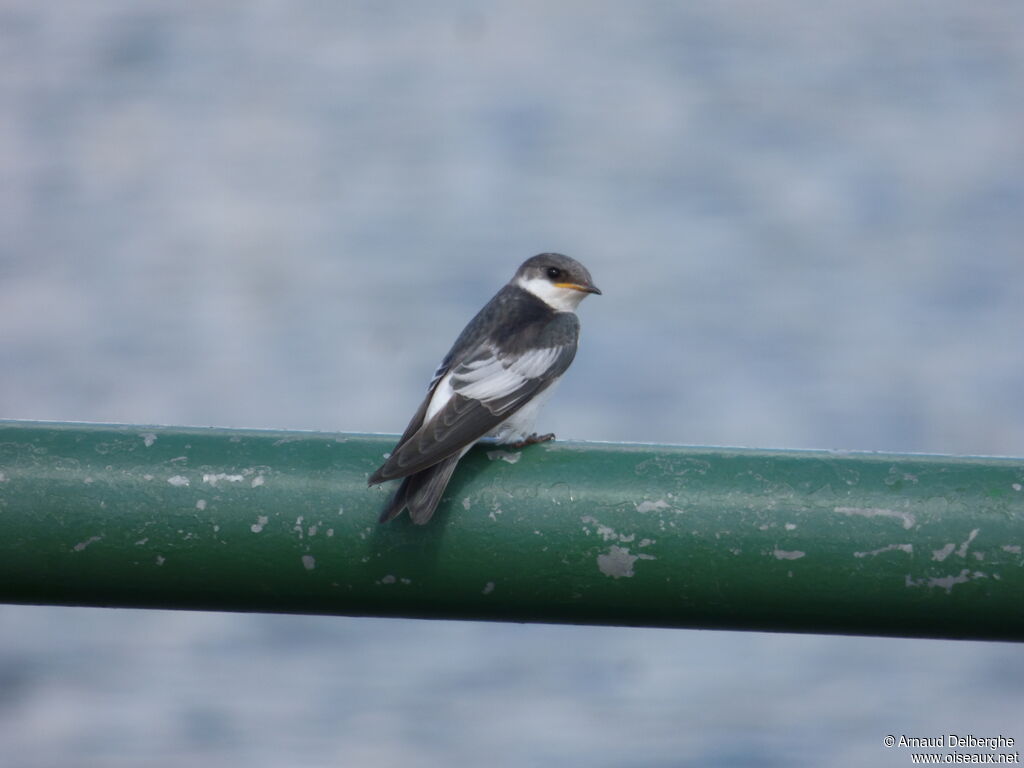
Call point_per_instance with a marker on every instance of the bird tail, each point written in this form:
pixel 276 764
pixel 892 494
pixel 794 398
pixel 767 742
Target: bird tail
pixel 421 492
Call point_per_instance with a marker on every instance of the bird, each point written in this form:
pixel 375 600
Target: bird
pixel 492 382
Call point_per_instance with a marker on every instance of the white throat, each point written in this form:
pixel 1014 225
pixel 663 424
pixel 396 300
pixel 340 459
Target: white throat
pixel 559 299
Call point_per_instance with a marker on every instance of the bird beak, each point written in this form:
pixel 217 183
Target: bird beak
pixel 588 288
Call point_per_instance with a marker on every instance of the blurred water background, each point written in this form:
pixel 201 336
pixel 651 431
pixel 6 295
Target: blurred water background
pixel 807 222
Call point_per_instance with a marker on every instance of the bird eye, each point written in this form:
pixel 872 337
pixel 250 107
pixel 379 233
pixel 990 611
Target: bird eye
pixel 554 273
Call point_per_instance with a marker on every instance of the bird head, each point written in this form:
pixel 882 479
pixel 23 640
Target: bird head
pixel 559 281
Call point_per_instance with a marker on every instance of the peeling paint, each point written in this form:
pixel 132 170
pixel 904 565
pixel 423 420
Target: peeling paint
pixel 389 579
pixel 790 526
pixel 488 588
pixel 1013 549
pixel 83 544
pixel 1017 486
pixel 148 438
pixel 261 521
pixel 141 542
pixel 160 559
pixel 607 533
pixel 3 477
pixel 221 476
pixel 178 481
pixel 618 562
pixel 467 503
pixel 962 552
pixel 945 582
pixel 201 504
pixel 946 551
pixel 510 456
pixel 907 517
pixel 782 554
pixel 258 481
pixel 908 548
pixel 308 562
pixel 651 506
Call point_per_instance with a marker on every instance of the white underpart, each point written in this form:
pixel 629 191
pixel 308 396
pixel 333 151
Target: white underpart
pixel 559 298
pixel 519 425
pixel 442 395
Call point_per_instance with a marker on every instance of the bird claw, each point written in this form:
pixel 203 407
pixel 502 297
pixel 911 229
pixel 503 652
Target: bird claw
pixel 533 439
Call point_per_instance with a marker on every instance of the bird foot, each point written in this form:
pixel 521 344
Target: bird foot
pixel 532 439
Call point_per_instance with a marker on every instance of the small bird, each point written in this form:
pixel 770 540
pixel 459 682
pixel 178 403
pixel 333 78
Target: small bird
pixel 492 382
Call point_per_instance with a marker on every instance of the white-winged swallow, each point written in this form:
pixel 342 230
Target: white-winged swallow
pixel 492 382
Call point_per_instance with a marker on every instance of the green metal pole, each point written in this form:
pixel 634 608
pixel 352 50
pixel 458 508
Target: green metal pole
pixel 648 535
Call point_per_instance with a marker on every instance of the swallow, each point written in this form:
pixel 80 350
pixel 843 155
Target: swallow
pixel 492 382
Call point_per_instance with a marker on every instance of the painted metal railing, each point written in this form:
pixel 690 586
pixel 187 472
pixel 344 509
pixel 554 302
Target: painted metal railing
pixel 593 533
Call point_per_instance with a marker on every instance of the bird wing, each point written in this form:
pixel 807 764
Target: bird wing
pixel 473 397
